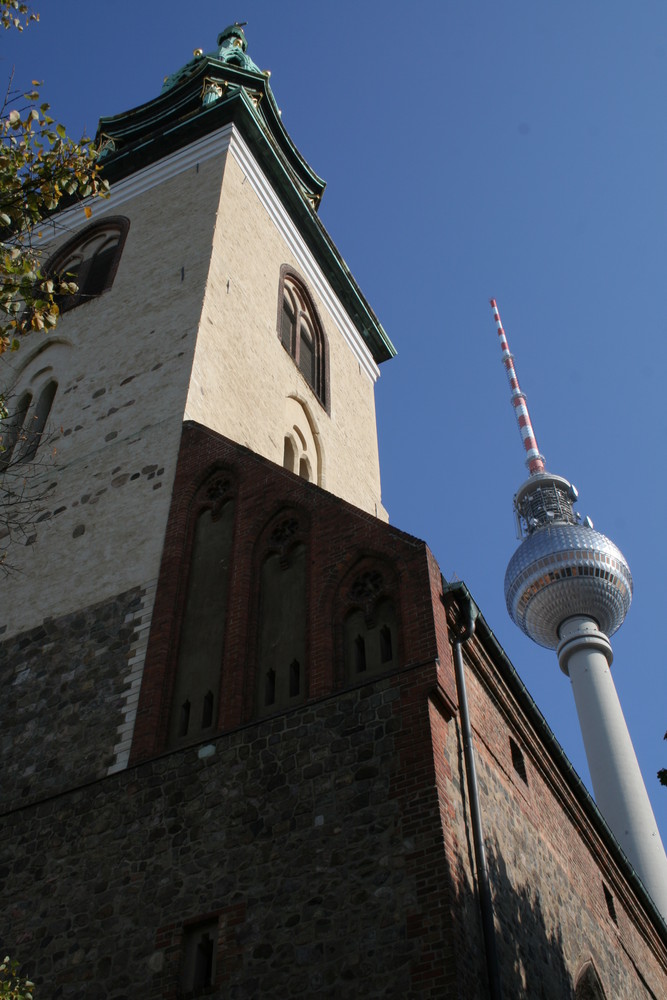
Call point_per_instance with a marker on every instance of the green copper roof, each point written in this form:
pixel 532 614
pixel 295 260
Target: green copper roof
pixel 213 90
pixel 232 46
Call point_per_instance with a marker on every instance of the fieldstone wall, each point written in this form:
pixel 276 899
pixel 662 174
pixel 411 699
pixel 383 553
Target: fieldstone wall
pixel 292 832
pixel 552 873
pixel 65 697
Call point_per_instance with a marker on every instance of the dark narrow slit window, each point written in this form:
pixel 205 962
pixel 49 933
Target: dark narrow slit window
pixel 198 962
pixel 185 719
pixel 609 900
pixel 518 761
pixel 294 678
pixel 360 654
pixel 203 962
pixel 207 710
pixel 36 422
pixel 386 652
pixel 270 687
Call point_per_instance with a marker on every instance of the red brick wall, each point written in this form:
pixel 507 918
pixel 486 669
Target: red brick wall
pixel 341 541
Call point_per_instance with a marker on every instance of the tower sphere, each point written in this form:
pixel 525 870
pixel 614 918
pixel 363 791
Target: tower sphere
pixel 561 570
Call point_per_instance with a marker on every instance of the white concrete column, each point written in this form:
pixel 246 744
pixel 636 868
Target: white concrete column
pixel 620 794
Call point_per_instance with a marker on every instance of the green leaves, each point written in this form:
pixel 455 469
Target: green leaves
pixel 40 167
pixel 12 985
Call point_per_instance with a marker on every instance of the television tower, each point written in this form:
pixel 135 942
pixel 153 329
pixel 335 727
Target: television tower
pixel 569 588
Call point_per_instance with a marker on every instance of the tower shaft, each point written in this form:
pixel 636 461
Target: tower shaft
pixel 585 655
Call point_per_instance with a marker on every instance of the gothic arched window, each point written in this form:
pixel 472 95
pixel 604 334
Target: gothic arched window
pixel 370 626
pixel 281 678
pixel 301 333
pixel 588 985
pixel 90 261
pixel 195 700
pixel 29 403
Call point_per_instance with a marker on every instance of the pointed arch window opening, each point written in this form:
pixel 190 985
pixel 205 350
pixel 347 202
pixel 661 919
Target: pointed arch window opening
pixel 302 336
pixel 198 661
pixel 282 663
pixel 27 425
pixel 370 637
pixel 90 261
pixel 36 422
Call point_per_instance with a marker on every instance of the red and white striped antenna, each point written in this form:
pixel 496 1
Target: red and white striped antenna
pixel 534 460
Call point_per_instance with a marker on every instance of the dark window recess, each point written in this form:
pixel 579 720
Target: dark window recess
pixel 307 357
pixel 90 261
pixel 589 987
pixel 288 326
pixel 360 654
pixel 35 423
pixel 185 719
pixel 270 688
pixel 294 678
pixel 304 470
pixel 518 761
pixel 386 654
pixel 207 710
pixel 289 456
pixel 199 958
pixel 609 900
pixel 301 334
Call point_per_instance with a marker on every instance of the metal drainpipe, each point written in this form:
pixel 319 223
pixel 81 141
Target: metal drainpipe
pixel 485 901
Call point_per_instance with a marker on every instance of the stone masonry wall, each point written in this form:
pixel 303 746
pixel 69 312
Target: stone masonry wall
pixel 548 866
pixel 65 697
pixel 300 834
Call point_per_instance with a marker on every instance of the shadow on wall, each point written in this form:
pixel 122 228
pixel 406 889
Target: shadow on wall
pixel 530 955
pixel 532 963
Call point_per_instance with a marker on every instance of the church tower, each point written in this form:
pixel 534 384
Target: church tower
pixel 209 294
pixel 209 297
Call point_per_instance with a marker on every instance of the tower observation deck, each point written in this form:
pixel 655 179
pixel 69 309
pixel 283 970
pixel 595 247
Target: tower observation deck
pixel 569 588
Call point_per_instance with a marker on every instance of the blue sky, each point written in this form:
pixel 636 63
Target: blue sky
pixel 471 149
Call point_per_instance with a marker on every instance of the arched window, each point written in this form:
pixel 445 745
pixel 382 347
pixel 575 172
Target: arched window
pixel 282 630
pixel 370 641
pixel 302 453
pixel 369 619
pixel 195 700
pixel 90 260
pixel 588 985
pixel 301 333
pixel 23 429
pixel 35 422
